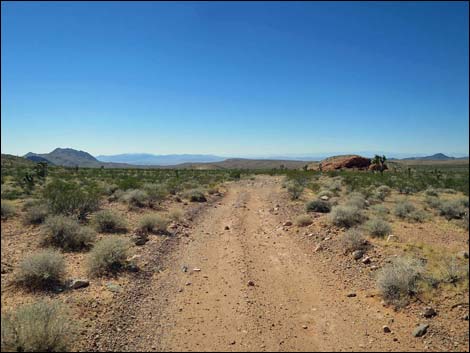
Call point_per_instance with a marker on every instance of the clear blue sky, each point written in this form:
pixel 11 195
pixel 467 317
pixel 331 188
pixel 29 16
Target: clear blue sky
pixel 235 78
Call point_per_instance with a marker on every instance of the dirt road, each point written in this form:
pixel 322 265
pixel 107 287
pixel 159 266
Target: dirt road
pixel 254 287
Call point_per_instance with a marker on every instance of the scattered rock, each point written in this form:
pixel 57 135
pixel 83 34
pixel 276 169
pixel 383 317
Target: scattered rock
pixel 132 267
pixel 465 317
pixel 324 198
pixel 392 237
pixel 287 224
pixel 79 283
pixel 304 327
pixel 366 260
pixel 318 248
pixel 420 330
pixel 386 329
pixel 464 254
pixel 357 254
pixel 232 343
pixel 251 284
pixel 113 287
pixel 351 295
pixel 184 268
pixel 196 269
pixel 227 227
pixel 429 312
pixel 340 162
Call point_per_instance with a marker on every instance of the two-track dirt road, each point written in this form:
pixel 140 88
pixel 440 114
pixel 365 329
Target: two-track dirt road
pixel 255 288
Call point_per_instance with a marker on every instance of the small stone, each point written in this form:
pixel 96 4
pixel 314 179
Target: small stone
pixel 232 343
pixel 287 224
pixel 351 295
pixel 464 254
pixel 227 227
pixel 357 254
pixel 196 269
pixel 429 312
pixel 79 283
pixel 366 260
pixel 132 267
pixel 386 329
pixel 465 317
pixel 420 330
pixel 251 284
pixel 304 327
pixel 184 268
pixel 318 248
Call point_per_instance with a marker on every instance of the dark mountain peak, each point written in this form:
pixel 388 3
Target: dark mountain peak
pixel 70 152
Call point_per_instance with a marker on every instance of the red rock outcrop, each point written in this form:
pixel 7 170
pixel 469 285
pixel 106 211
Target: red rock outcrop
pixel 345 162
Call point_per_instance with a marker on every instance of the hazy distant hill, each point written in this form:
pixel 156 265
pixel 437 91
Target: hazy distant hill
pixel 434 157
pixel 8 160
pixel 241 163
pixel 162 160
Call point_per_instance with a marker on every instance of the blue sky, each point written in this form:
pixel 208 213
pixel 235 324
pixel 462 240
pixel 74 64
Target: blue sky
pixel 257 78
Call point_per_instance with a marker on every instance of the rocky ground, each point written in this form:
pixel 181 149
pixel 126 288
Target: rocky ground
pixel 238 276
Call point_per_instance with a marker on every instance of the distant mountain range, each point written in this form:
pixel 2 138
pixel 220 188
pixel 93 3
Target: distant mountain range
pixel 70 158
pixel 163 160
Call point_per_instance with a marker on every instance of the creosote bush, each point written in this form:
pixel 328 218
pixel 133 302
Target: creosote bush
pixel 318 206
pixel 176 214
pixel 39 327
pixel 108 256
pixel 382 192
pixel 294 189
pixel 41 270
pixel 108 221
pixel 404 208
pixel 153 223
pixel 356 200
pixel 353 240
pixel 66 233
pixel 452 209
pixel 303 220
pixel 195 195
pixel 346 216
pixel 378 227
pixel 398 279
pixel 36 214
pixel 135 198
pixel 8 209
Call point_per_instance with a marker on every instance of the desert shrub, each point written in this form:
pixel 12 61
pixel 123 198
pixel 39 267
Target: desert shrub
pixel 451 209
pixel 108 255
pixel 380 210
pixel 450 270
pixel 155 193
pixel 303 220
pixel 195 195
pixel 353 240
pixel 431 192
pixel 464 202
pixel 399 279
pixel 116 196
pixel 135 198
pixel 36 214
pixel 334 186
pixel 418 216
pixel 8 209
pixel 346 216
pixel 176 214
pixel 10 192
pixel 356 200
pixel 28 203
pixel 70 198
pixel 378 227
pixel 108 221
pixel 153 223
pixel 324 192
pixel 295 189
pixel 43 269
pixel 404 208
pixel 465 223
pixel 38 327
pixel 66 233
pixel 318 206
pixel 110 189
pixel 433 202
pixel 382 192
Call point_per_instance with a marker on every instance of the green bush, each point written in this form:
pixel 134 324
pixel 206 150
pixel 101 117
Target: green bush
pixel 156 193
pixel 431 192
pixel 380 210
pixel 399 279
pixel 36 214
pixel 41 270
pixel 356 200
pixel 37 327
pixel 318 206
pixel 135 198
pixel 404 208
pixel 294 189
pixel 378 227
pixel 353 240
pixel 382 192
pixel 418 216
pixel 195 196
pixel 71 199
pixel 153 223
pixel 346 216
pixel 8 209
pixel 66 233
pixel 452 209
pixel 108 221
pixel 108 255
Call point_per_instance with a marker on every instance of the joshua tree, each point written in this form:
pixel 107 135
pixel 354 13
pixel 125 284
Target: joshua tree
pixel 379 162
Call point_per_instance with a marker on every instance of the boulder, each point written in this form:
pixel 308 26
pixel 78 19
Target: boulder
pixel 420 330
pixel 345 162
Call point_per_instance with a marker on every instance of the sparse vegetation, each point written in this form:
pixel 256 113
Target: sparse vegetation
pixel 303 220
pixel 318 206
pixel 353 240
pixel 108 221
pixel 38 327
pixel 108 256
pixel 36 214
pixel 176 214
pixel 382 192
pixel 346 216
pixel 8 209
pixel 378 227
pixel 153 223
pixel 44 270
pixel 404 208
pixel 135 198
pixel 452 209
pixel 66 233
pixel 196 196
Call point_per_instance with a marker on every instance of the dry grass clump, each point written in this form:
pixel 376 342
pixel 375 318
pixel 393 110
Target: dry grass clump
pixel 38 327
pixel 325 192
pixel 36 214
pixel 295 189
pixel 378 227
pixel 176 214
pixel 346 216
pixel 382 192
pixel 353 240
pixel 153 223
pixel 108 256
pixel 356 200
pixel 195 195
pixel 8 209
pixel 398 279
pixel 108 221
pixel 450 270
pixel 135 198
pixel 431 192
pixel 418 216
pixel 43 270
pixel 66 233
pixel 318 206
pixel 155 193
pixel 380 210
pixel 404 208
pixel 452 209
pixel 303 220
